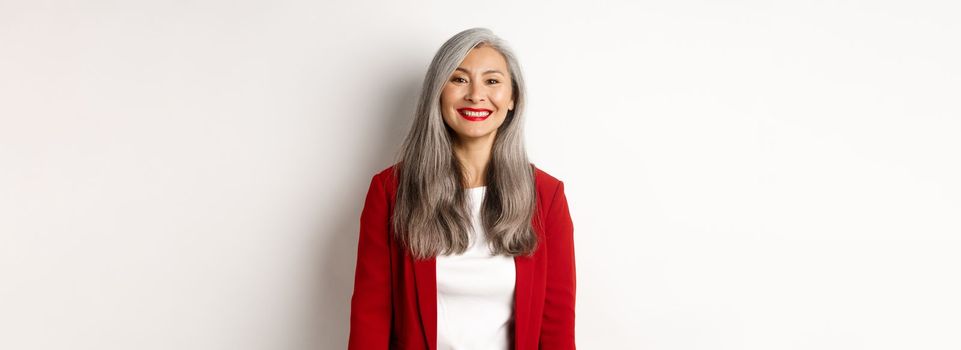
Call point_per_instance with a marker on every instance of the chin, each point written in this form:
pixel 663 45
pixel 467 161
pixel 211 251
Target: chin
pixel 476 134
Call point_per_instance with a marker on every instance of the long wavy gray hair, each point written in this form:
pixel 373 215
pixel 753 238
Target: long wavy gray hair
pixel 431 216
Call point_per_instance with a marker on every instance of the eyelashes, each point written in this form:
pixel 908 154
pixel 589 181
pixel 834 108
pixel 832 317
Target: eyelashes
pixel 458 79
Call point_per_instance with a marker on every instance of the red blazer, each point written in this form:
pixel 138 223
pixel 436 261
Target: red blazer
pixel 394 302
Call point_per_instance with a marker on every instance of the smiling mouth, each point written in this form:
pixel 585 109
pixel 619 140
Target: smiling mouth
pixel 474 114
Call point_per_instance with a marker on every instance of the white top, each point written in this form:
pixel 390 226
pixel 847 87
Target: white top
pixel 475 293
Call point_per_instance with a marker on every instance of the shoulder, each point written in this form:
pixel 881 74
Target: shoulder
pixel 385 177
pixel 544 179
pixel 548 185
pixel 386 172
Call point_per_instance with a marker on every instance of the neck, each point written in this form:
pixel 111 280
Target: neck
pixel 475 155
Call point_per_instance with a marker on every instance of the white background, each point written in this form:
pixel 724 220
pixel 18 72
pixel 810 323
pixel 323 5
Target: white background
pixel 741 175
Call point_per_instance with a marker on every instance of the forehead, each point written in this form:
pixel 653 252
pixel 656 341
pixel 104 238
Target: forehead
pixel 483 58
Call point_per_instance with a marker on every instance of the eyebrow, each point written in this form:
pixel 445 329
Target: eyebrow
pixel 485 72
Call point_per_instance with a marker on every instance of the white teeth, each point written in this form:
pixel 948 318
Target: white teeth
pixel 475 114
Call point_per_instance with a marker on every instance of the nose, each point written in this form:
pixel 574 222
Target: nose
pixel 474 93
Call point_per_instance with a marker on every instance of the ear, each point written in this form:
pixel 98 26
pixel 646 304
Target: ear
pixel 511 107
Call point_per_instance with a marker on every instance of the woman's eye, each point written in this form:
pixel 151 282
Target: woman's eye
pixel 458 79
pixel 493 80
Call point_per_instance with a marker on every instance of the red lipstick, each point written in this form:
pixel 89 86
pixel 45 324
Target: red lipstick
pixel 474 114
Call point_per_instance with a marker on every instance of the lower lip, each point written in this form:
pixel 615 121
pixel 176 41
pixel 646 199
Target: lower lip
pixel 473 119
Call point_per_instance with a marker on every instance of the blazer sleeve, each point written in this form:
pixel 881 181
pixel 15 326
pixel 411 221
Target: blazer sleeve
pixel 557 329
pixel 370 305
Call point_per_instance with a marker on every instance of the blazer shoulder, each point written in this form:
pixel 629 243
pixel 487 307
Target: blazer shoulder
pixel 546 183
pixel 386 171
pixel 386 176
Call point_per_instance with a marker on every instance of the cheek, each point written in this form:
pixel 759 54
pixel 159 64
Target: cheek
pixel 448 96
pixel 445 97
pixel 502 98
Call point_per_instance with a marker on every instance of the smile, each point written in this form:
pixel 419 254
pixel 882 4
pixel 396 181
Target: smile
pixel 474 114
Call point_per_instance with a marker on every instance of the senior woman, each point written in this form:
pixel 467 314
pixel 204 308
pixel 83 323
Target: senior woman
pixel 465 244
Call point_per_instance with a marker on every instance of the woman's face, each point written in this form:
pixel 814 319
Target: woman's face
pixel 477 96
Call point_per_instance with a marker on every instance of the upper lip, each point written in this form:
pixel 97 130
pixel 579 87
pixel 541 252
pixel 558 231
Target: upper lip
pixel 475 109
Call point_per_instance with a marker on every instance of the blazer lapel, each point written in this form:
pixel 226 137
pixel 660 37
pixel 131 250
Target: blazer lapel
pixel 425 281
pixel 523 287
pixel 523 267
